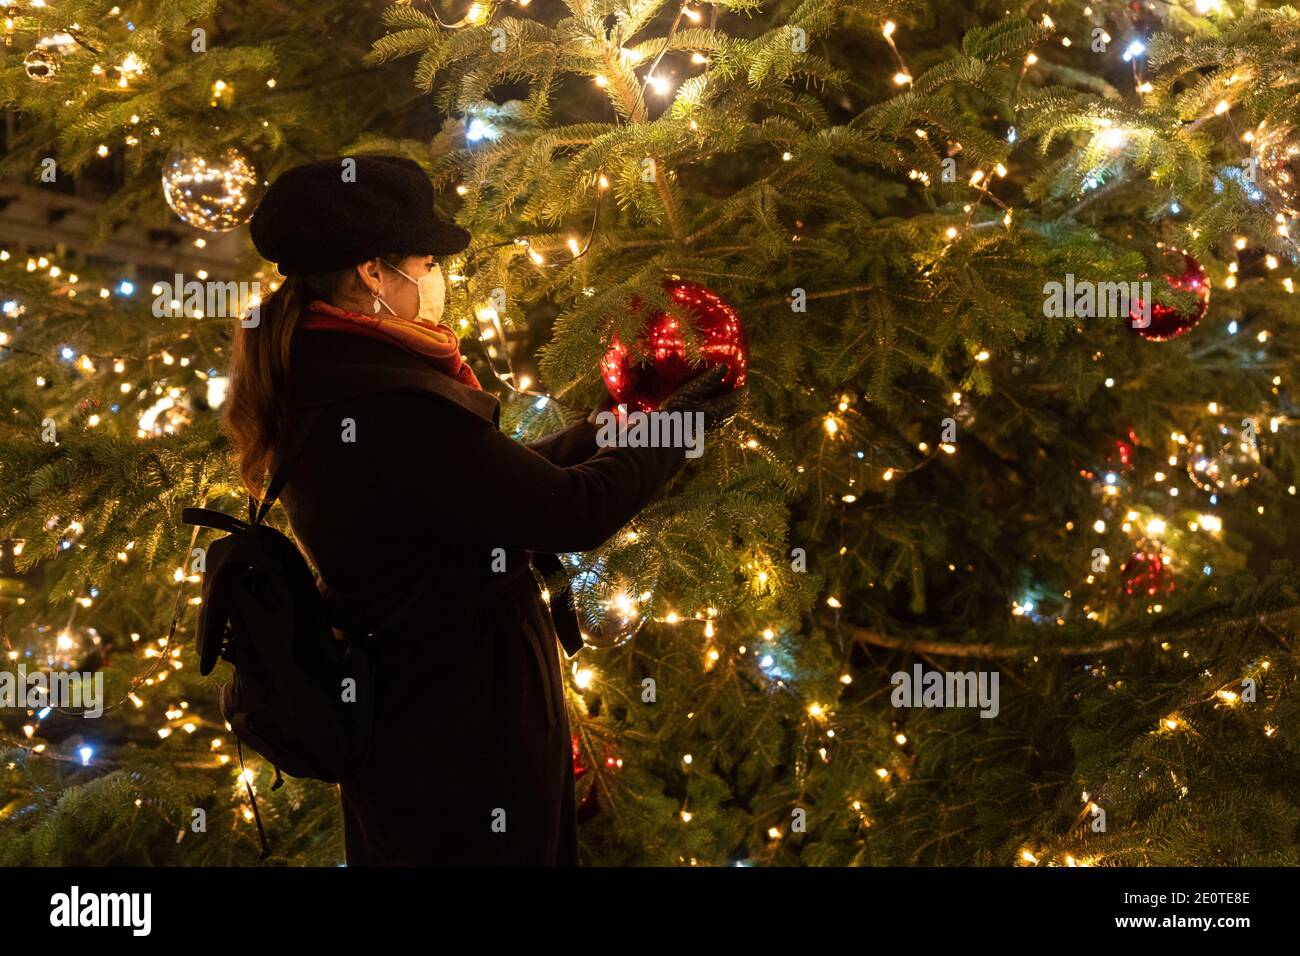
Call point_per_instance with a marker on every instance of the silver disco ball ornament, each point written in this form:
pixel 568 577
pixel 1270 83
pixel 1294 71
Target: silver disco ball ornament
pixel 1225 461
pixel 45 60
pixel 611 610
pixel 215 194
pixel 1276 154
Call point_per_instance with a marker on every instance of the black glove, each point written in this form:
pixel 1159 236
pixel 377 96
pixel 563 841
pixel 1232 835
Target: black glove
pixel 706 393
pixel 604 405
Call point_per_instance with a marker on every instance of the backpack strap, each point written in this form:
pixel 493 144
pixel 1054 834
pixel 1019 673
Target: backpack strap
pixel 207 518
pixel 285 460
pixel 252 798
pixel 563 613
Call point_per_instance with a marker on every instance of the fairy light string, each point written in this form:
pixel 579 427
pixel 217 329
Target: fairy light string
pixel 982 180
pixel 166 651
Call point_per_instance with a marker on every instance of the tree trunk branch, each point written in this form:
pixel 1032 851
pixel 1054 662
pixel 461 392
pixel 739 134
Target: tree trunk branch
pixel 865 635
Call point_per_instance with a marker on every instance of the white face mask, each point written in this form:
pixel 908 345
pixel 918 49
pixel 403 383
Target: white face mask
pixel 432 292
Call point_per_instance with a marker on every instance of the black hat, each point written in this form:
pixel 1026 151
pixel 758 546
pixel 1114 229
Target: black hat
pixel 315 219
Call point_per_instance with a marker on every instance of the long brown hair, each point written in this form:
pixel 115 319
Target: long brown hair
pixel 256 406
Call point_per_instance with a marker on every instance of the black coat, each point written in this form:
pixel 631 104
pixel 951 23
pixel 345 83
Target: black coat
pixel 470 726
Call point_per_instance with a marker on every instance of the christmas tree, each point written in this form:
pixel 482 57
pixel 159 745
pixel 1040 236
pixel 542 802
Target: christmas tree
pixel 1016 283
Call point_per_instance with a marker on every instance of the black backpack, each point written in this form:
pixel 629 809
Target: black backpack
pixel 301 698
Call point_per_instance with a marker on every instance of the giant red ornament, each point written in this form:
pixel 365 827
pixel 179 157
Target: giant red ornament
pixel 1184 273
pixel 665 367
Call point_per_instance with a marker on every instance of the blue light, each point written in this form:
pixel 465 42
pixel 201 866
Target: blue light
pixel 10 307
pixel 43 713
pixel 1028 606
pixel 767 661
pixel 1175 208
pixel 1232 327
pixel 1214 499
pixel 1136 48
pixel 862 455
pixel 126 288
pixel 86 754
pixel 1111 478
pixel 67 354
pixel 1011 135
pixel 1207 570
pixel 1238 176
pixel 541 402
pixel 478 130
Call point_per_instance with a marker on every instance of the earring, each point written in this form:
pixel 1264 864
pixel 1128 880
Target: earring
pixel 376 307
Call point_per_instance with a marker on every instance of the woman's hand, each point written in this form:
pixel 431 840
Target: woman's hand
pixel 706 393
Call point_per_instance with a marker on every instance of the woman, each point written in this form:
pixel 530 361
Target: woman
pixel 421 517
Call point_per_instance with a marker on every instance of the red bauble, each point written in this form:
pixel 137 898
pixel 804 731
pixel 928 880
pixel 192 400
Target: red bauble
pixel 578 768
pixel 1146 574
pixel 1125 450
pixel 589 805
pixel 665 367
pixel 1185 274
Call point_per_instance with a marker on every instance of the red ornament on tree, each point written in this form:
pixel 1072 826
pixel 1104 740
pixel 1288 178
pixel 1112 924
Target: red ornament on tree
pixel 665 368
pixel 1166 322
pixel 578 768
pixel 1145 574
pixel 1125 451
pixel 589 804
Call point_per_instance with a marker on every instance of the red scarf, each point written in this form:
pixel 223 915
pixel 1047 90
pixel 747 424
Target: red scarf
pixel 436 344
